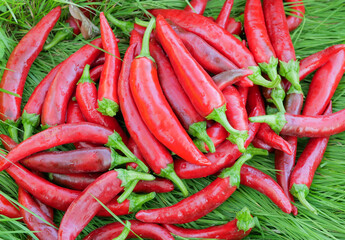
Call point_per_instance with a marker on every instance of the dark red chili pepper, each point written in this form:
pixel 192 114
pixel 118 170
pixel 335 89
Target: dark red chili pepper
pixel 230 77
pixel 254 178
pixel 41 229
pixel 144 230
pixel 203 202
pixel 217 134
pixel 324 84
pixel 95 73
pixel 198 6
pixel 234 27
pixel 85 206
pixel 278 31
pixel 207 99
pixel 107 89
pixel 8 209
pixel 86 95
pixel 258 143
pixel 133 147
pixel 223 17
pixel 243 91
pixel 238 228
pixel 293 21
pixel 33 108
pixel 99 61
pixel 178 99
pixel 17 69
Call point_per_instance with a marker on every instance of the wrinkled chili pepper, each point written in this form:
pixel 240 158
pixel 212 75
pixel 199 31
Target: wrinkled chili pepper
pixel 8 209
pixel 144 230
pixel 17 69
pixel 198 85
pixel 224 15
pixel 238 228
pixel 198 6
pixel 294 20
pixel 203 202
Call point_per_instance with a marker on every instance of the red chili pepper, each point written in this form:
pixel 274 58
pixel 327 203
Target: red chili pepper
pixel 61 90
pixel 8 209
pixel 243 91
pixel 293 21
pixel 198 85
pixel 258 143
pixel 85 206
pixel 198 6
pixel 234 27
pixel 18 65
pixel 107 89
pixel 203 202
pixel 278 31
pixel 144 230
pixel 133 147
pixel 95 73
pixel 254 178
pixel 230 77
pixel 99 61
pixel 41 229
pixel 238 228
pixel 86 95
pixel 33 108
pixel 178 99
pixel 223 17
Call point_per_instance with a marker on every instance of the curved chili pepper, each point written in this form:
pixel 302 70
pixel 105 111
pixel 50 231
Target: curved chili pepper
pixel 99 61
pixel 178 99
pixel 86 205
pixel 278 31
pixel 63 85
pixel 17 69
pixel 198 85
pixel 133 147
pixel 144 230
pixel 238 228
pixel 86 95
pixel 41 229
pixel 234 27
pixel 198 6
pixel 230 77
pixel 224 15
pixel 203 202
pixel 95 73
pixel 8 209
pixel 107 89
pixel 258 143
pixel 254 178
pixel 33 108
pixel 293 21
pixel 243 91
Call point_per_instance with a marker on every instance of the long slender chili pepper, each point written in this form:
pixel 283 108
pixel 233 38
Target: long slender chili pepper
pixel 203 202
pixel 254 178
pixel 243 91
pixel 63 85
pixel 293 21
pixel 219 38
pixel 224 15
pixel 8 209
pixel 67 133
pixel 198 6
pixel 234 27
pixel 17 69
pixel 107 90
pixel 156 112
pixel 133 147
pixel 86 95
pixel 99 61
pixel 198 85
pixel 278 31
pixel 144 230
pixel 95 73
pixel 41 229
pixel 238 228
pixel 230 77
pixel 86 205
pixel 179 101
pixel 258 143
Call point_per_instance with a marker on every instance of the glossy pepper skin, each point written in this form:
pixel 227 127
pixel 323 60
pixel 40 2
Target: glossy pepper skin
pixel 95 73
pixel 223 18
pixel 42 229
pixel 8 209
pixel 144 230
pixel 63 85
pixel 294 21
pixel 107 91
pixel 207 99
pixel 198 6
pixel 18 65
pixel 234 27
pixel 190 119
pixel 231 77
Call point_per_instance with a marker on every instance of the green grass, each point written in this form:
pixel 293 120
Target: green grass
pixel 322 27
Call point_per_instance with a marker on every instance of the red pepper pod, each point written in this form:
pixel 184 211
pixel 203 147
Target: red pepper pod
pixel 107 90
pixel 55 105
pixel 231 77
pixel 294 20
pixel 8 209
pixel 41 229
pixel 198 6
pixel 258 143
pixel 99 61
pixel 18 65
pixel 95 73
pixel 224 15
pixel 144 230
pixel 234 27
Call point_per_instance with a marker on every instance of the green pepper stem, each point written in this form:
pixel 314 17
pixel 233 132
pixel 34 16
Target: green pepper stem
pixel 29 121
pixel 85 77
pixel 278 96
pixel 125 26
pixel 301 191
pixel 65 34
pixel 200 145
pixel 128 190
pixel 245 221
pixel 108 107
pixel 170 174
pixel 290 70
pixel 125 231
pixel 271 70
pixel 137 200
pixel 145 49
pixel 12 128
pixel 258 79
pixel 276 121
pixel 117 159
pixel 198 130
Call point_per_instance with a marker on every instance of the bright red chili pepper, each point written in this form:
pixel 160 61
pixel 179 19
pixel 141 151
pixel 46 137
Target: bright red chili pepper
pixel 258 143
pixel 238 228
pixel 95 73
pixel 234 27
pixel 203 202
pixel 230 77
pixel 144 230
pixel 243 91
pixel 41 229
pixel 107 90
pixel 18 65
pixel 278 31
pixel 86 95
pixel 207 99
pixel 8 209
pixel 199 6
pixel 223 17
pixel 178 99
pixel 85 206
pixel 293 21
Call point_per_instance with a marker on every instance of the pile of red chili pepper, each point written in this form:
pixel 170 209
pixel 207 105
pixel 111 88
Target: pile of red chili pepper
pixel 193 97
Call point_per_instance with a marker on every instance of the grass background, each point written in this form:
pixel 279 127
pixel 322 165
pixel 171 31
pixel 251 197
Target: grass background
pixel 323 26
